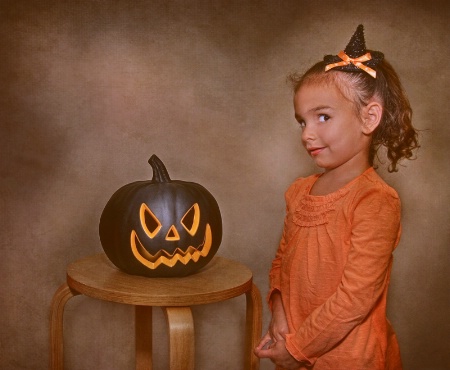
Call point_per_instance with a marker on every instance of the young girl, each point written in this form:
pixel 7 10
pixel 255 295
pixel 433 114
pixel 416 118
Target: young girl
pixel 330 276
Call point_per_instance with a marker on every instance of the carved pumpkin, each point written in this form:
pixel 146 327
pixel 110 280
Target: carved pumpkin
pixel 162 227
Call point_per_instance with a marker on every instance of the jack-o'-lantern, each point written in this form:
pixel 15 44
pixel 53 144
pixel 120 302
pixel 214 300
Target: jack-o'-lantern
pixel 162 227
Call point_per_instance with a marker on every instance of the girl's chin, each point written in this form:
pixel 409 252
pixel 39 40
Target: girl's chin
pixel 326 166
pixel 320 163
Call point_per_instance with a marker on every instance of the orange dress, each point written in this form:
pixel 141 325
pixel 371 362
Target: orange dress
pixel 332 269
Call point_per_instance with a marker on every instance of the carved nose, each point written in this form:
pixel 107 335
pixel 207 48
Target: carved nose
pixel 172 234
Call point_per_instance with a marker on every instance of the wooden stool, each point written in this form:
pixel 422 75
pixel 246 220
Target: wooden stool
pixel 220 280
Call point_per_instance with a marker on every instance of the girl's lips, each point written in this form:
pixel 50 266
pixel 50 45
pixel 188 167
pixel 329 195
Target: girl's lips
pixel 314 151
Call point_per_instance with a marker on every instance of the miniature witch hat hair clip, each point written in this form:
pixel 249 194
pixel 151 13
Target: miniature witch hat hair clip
pixel 355 57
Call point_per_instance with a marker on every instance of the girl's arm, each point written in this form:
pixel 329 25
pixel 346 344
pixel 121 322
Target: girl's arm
pixel 273 344
pixel 278 326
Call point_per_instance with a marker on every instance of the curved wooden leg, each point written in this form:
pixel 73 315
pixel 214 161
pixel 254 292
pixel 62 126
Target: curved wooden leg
pixel 143 331
pixel 253 327
pixel 181 337
pixel 62 295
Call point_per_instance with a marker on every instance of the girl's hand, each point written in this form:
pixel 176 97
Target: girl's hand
pixel 277 353
pixel 265 343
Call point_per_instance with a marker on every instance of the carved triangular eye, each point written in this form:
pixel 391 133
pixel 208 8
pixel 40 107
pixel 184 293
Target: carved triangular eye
pixel 149 221
pixel 191 219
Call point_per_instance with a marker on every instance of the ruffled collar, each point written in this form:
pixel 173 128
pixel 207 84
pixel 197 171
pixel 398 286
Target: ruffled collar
pixel 313 210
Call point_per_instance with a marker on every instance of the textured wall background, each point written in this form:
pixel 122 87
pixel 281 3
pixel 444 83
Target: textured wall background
pixel 90 89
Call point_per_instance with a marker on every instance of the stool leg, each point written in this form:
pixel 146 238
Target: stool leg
pixel 62 295
pixel 253 327
pixel 143 331
pixel 181 337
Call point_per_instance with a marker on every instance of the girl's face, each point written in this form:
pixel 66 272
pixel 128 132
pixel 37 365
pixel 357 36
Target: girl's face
pixel 332 130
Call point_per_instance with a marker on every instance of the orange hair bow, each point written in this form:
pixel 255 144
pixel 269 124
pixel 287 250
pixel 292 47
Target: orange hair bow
pixel 358 62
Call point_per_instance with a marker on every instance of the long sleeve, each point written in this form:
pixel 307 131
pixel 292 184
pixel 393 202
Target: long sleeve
pixel 274 274
pixel 275 271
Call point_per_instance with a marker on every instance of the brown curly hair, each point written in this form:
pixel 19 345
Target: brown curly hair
pixel 395 131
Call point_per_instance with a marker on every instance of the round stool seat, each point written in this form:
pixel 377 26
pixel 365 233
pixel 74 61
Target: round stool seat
pixel 97 277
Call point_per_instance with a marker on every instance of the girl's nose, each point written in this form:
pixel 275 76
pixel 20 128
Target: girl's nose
pixel 307 133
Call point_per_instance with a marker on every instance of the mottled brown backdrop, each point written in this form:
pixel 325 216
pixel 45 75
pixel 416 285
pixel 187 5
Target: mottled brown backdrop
pixel 90 89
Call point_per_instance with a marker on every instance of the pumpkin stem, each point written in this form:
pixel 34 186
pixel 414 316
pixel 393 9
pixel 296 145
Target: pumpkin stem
pixel 160 173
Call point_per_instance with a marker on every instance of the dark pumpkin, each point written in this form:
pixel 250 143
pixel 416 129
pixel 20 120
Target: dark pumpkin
pixel 162 227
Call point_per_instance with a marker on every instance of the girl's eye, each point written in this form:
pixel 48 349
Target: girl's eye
pixel 323 118
pixel 302 124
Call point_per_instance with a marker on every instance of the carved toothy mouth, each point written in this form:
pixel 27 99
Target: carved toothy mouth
pixel 165 258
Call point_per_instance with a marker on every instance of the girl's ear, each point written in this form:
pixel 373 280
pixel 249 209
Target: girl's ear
pixel 371 117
